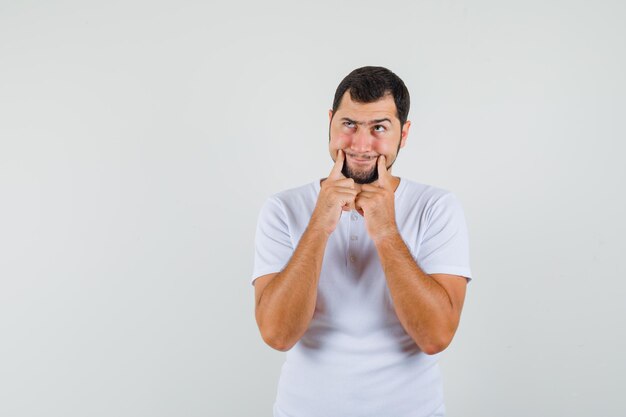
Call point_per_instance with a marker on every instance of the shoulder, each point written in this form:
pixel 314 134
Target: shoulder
pixel 291 201
pixel 296 197
pixel 297 192
pixel 427 203
pixel 423 196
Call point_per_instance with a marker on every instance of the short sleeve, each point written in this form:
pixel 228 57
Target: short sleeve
pixel 445 244
pixel 273 246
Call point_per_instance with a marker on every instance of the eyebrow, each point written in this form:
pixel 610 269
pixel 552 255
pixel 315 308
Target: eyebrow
pixel 371 122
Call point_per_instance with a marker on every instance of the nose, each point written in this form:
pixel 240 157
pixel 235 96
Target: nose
pixel 361 141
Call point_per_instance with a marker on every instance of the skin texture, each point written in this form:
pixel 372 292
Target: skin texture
pixel 428 306
pixel 285 301
pixel 364 131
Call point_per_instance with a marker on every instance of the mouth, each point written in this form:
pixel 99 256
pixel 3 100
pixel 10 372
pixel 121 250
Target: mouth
pixel 361 160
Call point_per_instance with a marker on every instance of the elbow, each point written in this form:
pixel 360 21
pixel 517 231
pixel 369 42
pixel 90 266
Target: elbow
pixel 433 348
pixel 276 342
pixel 436 345
pixel 271 336
pixel 277 345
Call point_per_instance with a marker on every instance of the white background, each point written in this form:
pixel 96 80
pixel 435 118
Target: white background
pixel 138 140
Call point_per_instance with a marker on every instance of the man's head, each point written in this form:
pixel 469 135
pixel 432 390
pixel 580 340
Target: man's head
pixel 368 119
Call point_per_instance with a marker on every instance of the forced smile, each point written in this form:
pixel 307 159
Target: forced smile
pixel 361 159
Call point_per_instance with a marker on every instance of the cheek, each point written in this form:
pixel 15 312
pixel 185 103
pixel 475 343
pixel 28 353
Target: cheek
pixel 383 148
pixel 340 141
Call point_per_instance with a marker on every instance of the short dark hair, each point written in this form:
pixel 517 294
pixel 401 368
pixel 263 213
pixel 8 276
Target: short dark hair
pixel 369 84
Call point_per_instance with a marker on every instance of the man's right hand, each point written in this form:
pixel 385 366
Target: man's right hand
pixel 337 193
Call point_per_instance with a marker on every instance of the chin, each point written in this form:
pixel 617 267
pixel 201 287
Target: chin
pixel 360 177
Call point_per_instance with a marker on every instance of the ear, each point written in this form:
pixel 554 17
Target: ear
pixel 405 133
pixel 330 115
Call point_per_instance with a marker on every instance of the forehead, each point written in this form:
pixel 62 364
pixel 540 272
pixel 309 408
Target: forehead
pixel 385 107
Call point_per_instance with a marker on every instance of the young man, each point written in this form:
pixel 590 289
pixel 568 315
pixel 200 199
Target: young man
pixel 361 276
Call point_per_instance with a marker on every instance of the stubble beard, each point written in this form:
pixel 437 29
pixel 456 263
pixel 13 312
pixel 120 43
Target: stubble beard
pixel 364 177
pixel 360 177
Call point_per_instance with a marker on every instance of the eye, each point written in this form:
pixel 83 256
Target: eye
pixel 380 128
pixel 349 125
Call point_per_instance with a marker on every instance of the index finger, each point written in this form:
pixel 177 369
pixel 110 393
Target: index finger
pixel 384 177
pixel 335 173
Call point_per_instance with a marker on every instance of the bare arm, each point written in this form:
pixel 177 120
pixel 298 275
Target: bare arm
pixel 285 301
pixel 428 306
pixel 286 304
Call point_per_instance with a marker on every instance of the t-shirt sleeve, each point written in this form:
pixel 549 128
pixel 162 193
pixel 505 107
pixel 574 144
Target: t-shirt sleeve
pixel 445 245
pixel 272 244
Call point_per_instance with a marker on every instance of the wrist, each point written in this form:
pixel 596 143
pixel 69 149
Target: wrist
pixel 318 228
pixel 386 235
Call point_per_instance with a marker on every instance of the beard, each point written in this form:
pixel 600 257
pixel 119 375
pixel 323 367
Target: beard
pixel 360 177
pixel 364 177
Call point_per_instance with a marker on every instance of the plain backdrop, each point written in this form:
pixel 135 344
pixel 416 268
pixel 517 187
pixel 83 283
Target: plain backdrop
pixel 139 139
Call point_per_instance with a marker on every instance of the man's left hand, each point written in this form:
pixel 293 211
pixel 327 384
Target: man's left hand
pixel 376 204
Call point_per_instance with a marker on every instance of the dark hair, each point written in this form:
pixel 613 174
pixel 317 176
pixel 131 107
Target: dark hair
pixel 369 84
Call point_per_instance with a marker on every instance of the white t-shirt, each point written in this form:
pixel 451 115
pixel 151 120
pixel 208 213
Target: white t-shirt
pixel 356 359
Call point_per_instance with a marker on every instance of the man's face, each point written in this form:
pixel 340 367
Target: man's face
pixel 364 131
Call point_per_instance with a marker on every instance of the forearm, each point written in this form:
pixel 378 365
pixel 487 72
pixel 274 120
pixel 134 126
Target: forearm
pixel 421 304
pixel 288 302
